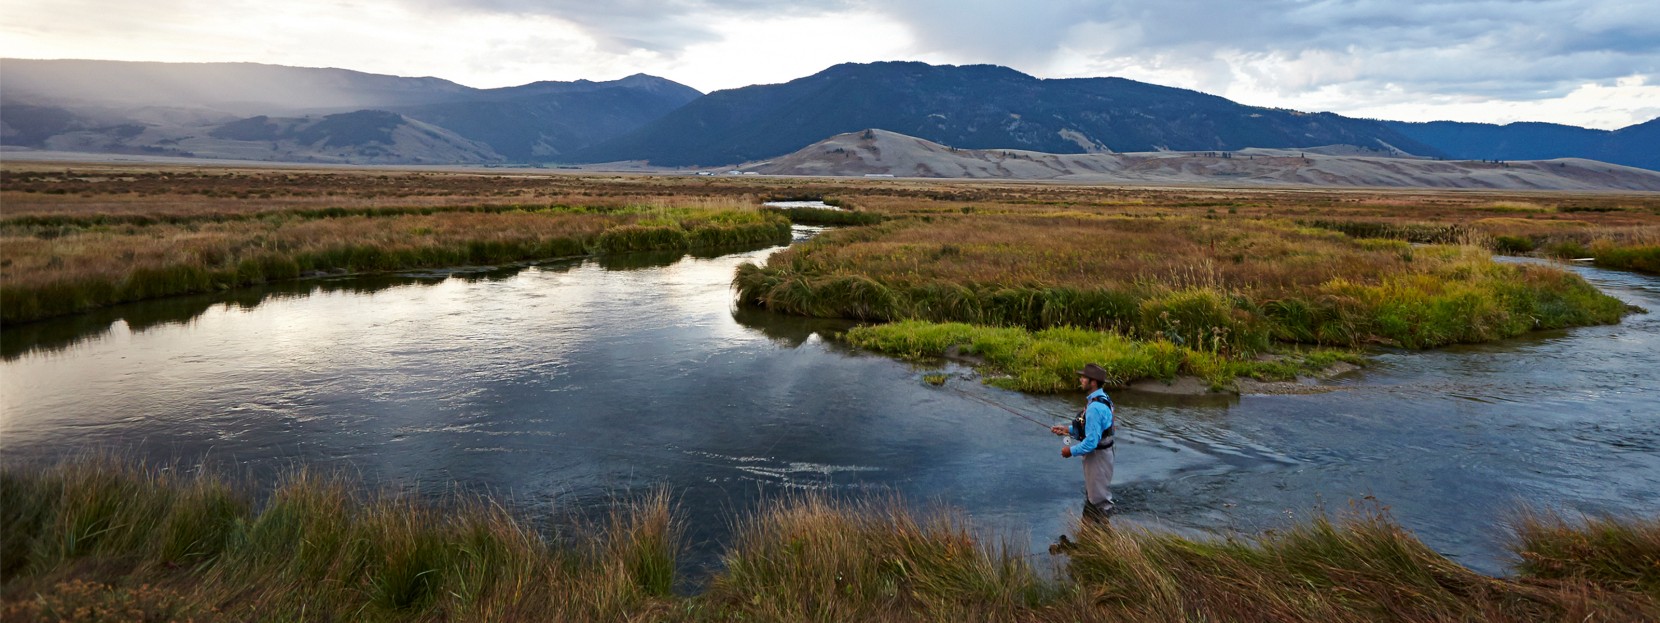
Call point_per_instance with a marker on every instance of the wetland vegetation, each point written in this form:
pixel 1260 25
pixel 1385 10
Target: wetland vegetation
pixel 106 538
pixel 1157 296
pixel 1032 279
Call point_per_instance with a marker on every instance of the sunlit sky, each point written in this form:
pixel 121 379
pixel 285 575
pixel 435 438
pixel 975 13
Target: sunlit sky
pixel 1593 63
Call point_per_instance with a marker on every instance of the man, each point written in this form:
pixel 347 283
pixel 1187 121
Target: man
pixel 1094 432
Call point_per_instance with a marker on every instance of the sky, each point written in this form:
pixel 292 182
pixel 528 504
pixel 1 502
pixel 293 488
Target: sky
pixel 1592 63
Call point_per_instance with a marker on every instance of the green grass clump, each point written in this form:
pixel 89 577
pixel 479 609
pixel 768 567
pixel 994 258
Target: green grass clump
pixel 821 216
pixel 1513 245
pixel 1047 361
pixel 1640 258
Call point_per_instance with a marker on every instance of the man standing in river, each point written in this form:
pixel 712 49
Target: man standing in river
pixel 1094 431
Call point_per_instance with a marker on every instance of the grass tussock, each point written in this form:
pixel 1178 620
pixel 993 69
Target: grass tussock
pixel 810 559
pixel 101 541
pixel 1611 552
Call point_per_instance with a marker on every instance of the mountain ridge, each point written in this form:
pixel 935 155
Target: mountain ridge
pixel 975 106
pixel 1633 145
pixel 537 120
pixel 117 104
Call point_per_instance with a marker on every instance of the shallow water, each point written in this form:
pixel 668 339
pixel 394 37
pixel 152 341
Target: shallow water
pixel 564 385
pixel 802 204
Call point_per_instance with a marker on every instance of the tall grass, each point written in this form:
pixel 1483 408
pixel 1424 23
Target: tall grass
pixel 810 559
pixel 1360 567
pixel 1606 551
pixel 318 549
pixel 106 539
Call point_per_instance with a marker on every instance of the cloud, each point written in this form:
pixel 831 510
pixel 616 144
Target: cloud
pixel 1340 55
pixel 654 26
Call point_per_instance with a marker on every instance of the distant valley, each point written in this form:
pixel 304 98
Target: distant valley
pixel 1079 129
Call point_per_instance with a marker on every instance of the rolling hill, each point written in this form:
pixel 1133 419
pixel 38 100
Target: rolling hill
pixel 878 152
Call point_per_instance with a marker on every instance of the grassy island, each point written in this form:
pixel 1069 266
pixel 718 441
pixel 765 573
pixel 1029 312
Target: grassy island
pixel 1156 296
pixel 102 541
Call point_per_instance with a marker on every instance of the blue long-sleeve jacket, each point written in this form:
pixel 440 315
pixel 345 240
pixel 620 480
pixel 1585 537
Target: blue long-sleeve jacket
pixel 1097 419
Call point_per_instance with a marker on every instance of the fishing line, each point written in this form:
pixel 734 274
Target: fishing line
pixel 987 401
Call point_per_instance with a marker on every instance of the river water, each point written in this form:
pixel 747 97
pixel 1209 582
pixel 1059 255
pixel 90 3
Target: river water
pixel 563 386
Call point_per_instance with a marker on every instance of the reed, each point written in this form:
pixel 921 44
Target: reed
pixel 105 538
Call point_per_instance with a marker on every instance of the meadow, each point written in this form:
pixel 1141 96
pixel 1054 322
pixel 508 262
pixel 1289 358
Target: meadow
pixel 1031 279
pixel 102 540
pixel 1215 283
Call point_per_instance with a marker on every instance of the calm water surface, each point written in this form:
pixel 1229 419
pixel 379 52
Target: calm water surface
pixel 565 385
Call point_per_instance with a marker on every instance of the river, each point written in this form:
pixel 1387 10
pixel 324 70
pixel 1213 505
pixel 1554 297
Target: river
pixel 564 385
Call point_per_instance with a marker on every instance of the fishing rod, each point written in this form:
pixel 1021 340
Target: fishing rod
pixel 987 401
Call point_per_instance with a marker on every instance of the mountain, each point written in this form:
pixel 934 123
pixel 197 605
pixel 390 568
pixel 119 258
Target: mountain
pixel 878 152
pixel 45 98
pixel 976 107
pixel 1630 146
pixel 361 137
pixel 544 120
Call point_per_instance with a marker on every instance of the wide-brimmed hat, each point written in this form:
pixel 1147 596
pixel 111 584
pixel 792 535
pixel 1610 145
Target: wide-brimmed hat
pixel 1092 371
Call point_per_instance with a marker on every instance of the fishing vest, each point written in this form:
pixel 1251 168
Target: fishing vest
pixel 1077 428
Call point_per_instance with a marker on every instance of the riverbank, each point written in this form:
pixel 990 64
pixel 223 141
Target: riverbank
pixel 106 537
pixel 64 264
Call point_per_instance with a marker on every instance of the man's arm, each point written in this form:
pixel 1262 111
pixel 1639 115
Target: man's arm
pixel 1092 432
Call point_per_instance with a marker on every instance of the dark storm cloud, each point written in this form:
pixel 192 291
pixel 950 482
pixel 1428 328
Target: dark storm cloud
pixel 1512 48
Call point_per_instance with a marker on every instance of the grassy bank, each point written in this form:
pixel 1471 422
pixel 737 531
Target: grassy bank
pixel 58 265
pixel 99 537
pixel 1194 295
pixel 821 216
pixel 1634 247
pixel 1047 360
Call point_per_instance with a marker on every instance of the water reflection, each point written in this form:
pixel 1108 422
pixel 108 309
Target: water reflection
pixel 788 331
pixel 565 385
pixel 57 334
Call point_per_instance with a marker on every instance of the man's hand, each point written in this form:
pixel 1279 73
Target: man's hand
pixel 1058 430
pixel 1066 452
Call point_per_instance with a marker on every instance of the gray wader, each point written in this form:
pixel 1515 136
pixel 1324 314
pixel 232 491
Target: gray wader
pixel 1098 501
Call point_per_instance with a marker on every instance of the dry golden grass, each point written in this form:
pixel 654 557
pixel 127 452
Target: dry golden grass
pixel 104 541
